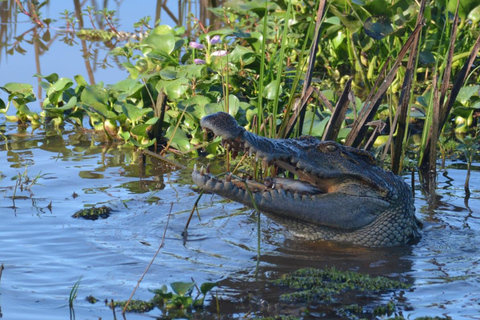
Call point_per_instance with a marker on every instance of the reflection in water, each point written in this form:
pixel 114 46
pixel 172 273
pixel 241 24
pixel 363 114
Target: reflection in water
pixel 45 251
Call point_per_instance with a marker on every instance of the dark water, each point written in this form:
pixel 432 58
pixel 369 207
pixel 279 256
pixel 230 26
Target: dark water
pixel 45 251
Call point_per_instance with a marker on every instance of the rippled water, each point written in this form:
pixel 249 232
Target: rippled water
pixel 45 251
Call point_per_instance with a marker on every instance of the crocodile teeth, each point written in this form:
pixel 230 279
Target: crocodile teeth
pixel 195 167
pixel 228 186
pixel 258 197
pixel 274 193
pixel 267 196
pixel 210 184
pixel 202 170
pixel 240 193
pixel 264 164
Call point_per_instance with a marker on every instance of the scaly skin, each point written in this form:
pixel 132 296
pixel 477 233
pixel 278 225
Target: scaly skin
pixel 340 195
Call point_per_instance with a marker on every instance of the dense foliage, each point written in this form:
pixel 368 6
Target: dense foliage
pixel 253 66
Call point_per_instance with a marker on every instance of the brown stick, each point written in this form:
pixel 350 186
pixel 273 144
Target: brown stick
pixel 359 129
pixel 447 107
pixel 1 271
pixel 311 61
pixel 338 115
pixel 400 123
pixel 151 261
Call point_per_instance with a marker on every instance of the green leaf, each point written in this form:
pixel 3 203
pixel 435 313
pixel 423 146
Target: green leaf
pixel 198 303
pixel 152 121
pixel 378 27
pixel 69 105
pixel 3 106
pixel 377 7
pixel 52 78
pixel 173 89
pixel 233 104
pixel 46 36
pixel 16 88
pixel 466 93
pixel 162 38
pixel 270 90
pixel 168 73
pixel 180 141
pixel 134 73
pixel 143 142
pixel 426 57
pixel 128 87
pixel 207 286
pixel 60 85
pixel 474 15
pixel 183 302
pixel 140 130
pixel 95 99
pixel 243 55
pixel 182 288
pixel 212 108
pixel 198 103
pixel 80 80
pixel 133 113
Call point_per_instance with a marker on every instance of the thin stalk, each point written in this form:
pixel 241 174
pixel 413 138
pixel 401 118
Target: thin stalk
pixel 278 80
pixel 173 133
pixel 298 73
pixel 151 262
pixel 194 208
pixel 73 292
pixel 311 61
pixel 252 199
pixel 262 71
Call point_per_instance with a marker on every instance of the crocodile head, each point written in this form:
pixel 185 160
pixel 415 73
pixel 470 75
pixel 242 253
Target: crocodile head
pixel 338 193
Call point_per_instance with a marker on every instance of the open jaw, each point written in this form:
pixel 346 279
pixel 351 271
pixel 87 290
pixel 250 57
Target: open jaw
pixel 314 198
pixel 340 193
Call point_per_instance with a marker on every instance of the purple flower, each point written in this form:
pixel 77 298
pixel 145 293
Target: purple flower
pixel 196 45
pixel 199 61
pixel 219 53
pixel 216 39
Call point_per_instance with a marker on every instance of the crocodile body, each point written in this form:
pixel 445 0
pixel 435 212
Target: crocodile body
pixel 339 195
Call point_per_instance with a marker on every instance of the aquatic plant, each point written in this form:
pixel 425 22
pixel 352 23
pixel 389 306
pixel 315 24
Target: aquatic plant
pixel 93 213
pixel 72 297
pixel 262 66
pixel 179 301
pixel 327 286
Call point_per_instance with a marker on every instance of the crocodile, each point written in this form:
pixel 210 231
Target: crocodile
pixel 338 193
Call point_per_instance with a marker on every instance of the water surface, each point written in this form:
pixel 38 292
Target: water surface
pixel 45 251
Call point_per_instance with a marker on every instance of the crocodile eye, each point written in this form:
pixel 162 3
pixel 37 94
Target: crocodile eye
pixel 331 147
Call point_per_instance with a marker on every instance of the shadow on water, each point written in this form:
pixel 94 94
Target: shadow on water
pixel 45 251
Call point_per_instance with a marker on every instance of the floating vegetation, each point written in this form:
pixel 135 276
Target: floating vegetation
pixel 331 287
pixel 136 305
pixel 93 213
pixel 177 302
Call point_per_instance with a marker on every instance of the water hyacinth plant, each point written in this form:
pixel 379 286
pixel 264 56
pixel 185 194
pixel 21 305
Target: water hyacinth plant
pixel 261 69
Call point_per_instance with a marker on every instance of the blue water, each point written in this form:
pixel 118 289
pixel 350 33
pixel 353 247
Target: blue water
pixel 65 60
pixel 45 252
